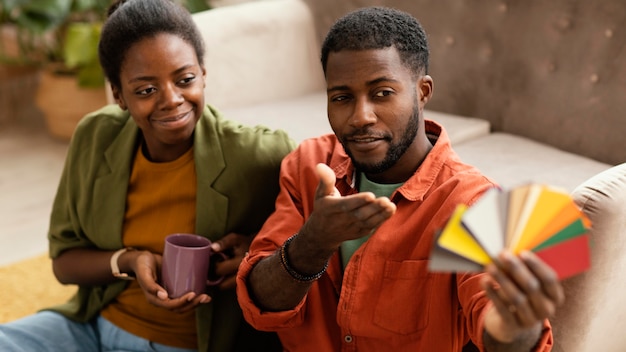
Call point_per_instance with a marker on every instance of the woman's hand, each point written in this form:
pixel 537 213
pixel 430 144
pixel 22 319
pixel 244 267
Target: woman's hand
pixel 235 246
pixel 147 268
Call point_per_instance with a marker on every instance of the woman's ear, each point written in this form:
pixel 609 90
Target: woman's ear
pixel 425 88
pixel 117 95
pixel 203 76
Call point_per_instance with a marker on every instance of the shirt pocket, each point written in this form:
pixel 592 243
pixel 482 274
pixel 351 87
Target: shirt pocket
pixel 404 297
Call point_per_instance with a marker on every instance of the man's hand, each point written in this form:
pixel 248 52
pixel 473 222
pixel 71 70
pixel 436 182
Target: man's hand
pixel 335 218
pixel 338 218
pixel 524 291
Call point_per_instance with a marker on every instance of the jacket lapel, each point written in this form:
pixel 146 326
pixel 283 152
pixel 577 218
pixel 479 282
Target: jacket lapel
pixel 111 186
pixel 211 206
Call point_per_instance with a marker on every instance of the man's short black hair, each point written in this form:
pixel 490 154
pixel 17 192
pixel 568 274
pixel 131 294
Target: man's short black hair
pixel 380 28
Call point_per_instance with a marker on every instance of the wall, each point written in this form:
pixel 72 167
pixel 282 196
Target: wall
pixel 550 70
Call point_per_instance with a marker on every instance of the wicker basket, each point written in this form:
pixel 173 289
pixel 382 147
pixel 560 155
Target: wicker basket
pixel 17 87
pixel 64 103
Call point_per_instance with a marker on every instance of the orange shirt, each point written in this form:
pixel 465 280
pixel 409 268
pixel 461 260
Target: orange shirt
pixel 386 300
pixel 161 200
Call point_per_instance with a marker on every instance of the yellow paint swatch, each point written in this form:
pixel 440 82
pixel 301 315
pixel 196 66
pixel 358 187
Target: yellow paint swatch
pixel 456 239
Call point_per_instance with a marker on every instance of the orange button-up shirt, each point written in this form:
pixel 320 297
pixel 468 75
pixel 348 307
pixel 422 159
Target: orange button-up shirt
pixel 386 299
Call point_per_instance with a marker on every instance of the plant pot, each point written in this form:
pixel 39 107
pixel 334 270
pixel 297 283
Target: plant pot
pixel 63 103
pixel 18 84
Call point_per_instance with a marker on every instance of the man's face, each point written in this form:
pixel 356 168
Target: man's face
pixel 374 107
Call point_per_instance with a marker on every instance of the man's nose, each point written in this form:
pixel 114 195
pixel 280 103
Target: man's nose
pixel 363 113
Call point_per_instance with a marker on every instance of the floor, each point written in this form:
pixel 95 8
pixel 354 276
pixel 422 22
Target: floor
pixel 30 167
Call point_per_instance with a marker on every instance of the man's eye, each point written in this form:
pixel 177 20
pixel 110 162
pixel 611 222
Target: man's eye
pixel 383 93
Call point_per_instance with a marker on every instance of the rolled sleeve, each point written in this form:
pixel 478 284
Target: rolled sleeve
pixel 258 318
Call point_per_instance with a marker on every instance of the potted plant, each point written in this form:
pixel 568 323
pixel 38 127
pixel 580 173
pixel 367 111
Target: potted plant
pixel 61 37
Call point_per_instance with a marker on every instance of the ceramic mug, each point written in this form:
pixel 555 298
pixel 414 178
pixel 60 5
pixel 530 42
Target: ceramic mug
pixel 186 263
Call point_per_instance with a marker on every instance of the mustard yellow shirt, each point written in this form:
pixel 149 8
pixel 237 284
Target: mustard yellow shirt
pixel 161 200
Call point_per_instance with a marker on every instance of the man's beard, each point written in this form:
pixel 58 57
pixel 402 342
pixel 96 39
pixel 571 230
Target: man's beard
pixel 396 150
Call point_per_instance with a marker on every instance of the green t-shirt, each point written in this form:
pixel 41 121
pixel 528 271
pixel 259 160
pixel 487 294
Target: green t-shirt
pixel 380 190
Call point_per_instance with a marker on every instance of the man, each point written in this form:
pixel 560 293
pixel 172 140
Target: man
pixel 364 205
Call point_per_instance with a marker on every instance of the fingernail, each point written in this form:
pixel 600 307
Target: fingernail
pixel 507 255
pixel 216 247
pixel 162 295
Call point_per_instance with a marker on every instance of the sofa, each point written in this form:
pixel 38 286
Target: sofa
pixel 529 91
pixel 506 111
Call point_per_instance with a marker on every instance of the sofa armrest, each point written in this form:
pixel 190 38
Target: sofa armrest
pixel 260 51
pixel 592 316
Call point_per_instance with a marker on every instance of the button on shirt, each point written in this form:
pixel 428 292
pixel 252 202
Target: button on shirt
pixel 386 299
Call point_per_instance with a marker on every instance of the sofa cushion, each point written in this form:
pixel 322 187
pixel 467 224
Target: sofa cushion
pixel 259 51
pixel 305 117
pixel 460 128
pixel 594 311
pixel 512 160
pixel 301 117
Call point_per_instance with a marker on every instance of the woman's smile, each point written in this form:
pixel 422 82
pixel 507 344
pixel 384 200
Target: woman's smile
pixel 173 122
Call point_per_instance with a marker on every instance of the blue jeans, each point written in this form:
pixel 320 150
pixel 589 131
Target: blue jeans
pixel 50 331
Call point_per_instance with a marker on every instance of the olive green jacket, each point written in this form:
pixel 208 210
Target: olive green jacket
pixel 237 171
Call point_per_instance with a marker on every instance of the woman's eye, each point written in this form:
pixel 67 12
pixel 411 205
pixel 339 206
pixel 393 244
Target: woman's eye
pixel 145 91
pixel 187 80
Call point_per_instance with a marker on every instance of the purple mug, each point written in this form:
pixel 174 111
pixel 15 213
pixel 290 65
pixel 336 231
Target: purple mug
pixel 185 265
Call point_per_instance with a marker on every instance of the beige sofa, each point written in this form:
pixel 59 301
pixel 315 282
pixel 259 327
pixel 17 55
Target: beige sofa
pixel 528 91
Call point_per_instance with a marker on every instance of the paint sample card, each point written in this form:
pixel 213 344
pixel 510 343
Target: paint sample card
pixel 533 217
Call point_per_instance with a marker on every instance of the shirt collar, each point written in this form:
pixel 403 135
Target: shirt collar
pixel 416 187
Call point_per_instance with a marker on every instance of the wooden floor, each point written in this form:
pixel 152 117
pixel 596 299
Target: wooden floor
pixel 30 167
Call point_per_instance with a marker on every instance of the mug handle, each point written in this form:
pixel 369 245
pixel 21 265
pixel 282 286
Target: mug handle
pixel 221 278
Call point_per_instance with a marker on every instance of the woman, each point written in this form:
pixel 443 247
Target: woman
pixel 158 162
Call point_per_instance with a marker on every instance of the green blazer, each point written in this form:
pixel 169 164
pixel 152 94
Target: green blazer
pixel 237 170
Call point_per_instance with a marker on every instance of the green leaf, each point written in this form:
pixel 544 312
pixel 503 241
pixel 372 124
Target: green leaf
pixel 43 15
pixel 195 5
pixel 81 44
pixel 91 76
pixel 99 7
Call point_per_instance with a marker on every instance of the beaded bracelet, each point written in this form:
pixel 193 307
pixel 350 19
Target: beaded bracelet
pixel 293 273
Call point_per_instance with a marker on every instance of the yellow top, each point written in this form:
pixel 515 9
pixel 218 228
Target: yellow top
pixel 161 200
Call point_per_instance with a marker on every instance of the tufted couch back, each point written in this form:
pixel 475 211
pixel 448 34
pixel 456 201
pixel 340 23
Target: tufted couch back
pixel 553 71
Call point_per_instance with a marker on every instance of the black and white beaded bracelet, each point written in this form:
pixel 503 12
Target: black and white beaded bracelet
pixel 291 271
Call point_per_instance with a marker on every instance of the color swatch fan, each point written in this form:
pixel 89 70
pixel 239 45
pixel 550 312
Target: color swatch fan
pixel 533 217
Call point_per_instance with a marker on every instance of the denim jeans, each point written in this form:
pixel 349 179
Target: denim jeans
pixel 50 331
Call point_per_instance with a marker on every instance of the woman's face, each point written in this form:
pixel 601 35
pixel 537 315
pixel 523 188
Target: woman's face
pixel 162 86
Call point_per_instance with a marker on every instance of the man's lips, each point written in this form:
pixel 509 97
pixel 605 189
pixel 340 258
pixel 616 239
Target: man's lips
pixel 364 139
pixel 364 143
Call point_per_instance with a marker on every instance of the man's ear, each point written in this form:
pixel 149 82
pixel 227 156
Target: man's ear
pixel 425 88
pixel 117 95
